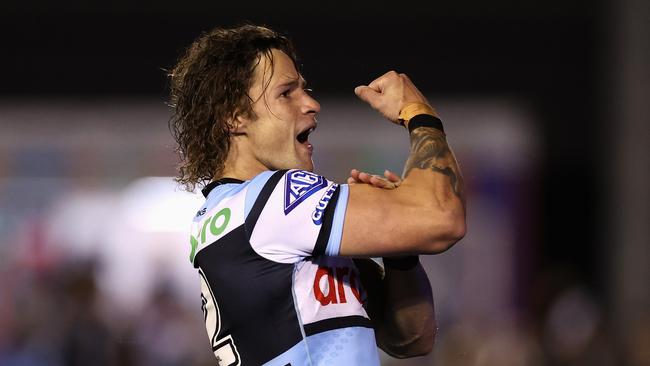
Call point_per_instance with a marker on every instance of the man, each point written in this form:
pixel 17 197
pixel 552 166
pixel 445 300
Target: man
pixel 274 242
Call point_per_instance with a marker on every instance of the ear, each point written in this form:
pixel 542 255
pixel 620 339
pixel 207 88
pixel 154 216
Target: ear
pixel 239 124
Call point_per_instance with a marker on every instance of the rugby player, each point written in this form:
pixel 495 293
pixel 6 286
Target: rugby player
pixel 282 252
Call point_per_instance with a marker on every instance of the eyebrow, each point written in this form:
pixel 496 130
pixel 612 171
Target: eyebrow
pixel 292 83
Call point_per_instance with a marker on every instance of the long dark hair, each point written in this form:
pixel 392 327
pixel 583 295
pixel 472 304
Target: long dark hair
pixel 209 88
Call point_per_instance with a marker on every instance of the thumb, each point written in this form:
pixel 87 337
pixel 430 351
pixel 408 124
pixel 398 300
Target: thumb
pixel 367 94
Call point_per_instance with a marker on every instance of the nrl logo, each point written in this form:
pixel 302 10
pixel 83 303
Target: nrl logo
pixel 298 186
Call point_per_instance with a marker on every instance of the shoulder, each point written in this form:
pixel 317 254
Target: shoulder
pixel 293 190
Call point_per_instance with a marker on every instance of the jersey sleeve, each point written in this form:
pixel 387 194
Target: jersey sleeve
pixel 293 214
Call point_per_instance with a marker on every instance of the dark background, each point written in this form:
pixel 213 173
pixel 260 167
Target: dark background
pixel 549 54
pixel 575 64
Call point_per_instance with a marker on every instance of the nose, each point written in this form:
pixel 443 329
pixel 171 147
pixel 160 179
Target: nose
pixel 310 105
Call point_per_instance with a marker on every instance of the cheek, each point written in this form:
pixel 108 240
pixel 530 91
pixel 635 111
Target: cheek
pixel 274 132
pixel 274 136
pixel 285 113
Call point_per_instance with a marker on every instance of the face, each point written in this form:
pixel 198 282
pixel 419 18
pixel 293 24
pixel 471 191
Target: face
pixel 285 114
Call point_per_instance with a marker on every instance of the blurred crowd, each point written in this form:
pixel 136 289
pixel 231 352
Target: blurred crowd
pixel 54 314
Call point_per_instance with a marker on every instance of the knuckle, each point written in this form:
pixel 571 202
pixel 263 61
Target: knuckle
pixel 392 74
pixel 404 78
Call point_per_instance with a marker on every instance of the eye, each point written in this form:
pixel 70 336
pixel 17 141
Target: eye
pixel 285 93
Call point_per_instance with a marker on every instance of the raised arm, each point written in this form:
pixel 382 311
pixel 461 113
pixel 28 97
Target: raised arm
pixel 426 213
pixel 423 214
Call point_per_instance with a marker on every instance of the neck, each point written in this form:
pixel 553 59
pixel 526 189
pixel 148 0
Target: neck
pixel 241 173
pixel 240 165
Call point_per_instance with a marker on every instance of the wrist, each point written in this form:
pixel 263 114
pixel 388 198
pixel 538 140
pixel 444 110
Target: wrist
pixel 425 120
pixel 402 263
pixel 413 109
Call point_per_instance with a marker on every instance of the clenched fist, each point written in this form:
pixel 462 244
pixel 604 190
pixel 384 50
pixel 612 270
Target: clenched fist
pixel 389 93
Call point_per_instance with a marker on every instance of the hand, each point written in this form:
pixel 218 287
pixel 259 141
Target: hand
pixel 389 93
pixel 391 180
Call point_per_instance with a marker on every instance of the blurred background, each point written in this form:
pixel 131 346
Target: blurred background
pixel 545 104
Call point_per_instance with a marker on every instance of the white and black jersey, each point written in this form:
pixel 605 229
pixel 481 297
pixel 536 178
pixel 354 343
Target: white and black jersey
pixel 274 290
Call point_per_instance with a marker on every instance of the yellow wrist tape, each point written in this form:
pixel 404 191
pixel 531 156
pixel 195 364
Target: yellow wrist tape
pixel 411 110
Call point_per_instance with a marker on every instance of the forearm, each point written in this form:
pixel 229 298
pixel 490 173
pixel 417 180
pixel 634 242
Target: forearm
pixel 409 326
pixel 433 175
pixel 431 152
pixel 402 309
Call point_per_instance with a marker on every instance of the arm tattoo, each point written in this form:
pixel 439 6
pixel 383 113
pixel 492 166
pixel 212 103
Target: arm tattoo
pixel 429 150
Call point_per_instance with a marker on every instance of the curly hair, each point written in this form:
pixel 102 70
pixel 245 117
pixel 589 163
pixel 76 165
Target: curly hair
pixel 209 88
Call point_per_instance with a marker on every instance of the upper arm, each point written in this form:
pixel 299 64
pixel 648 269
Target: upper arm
pixel 405 220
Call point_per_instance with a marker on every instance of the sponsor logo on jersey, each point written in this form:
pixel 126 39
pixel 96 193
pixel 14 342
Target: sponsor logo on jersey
pixel 299 185
pixel 215 224
pixel 317 215
pixel 330 284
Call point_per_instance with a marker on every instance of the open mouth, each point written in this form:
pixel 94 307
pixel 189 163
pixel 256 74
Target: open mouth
pixel 304 135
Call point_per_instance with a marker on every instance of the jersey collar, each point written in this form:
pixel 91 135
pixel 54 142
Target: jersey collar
pixel 207 189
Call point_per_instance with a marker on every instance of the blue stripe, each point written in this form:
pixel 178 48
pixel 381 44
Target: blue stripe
pixel 334 243
pixel 222 191
pixel 254 188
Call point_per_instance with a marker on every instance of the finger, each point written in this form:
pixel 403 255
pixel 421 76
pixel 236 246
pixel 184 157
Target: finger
pixel 383 183
pixel 367 94
pixel 392 176
pixel 361 177
pixel 378 182
pixel 374 180
pixel 352 181
pixel 364 177
pixel 379 83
